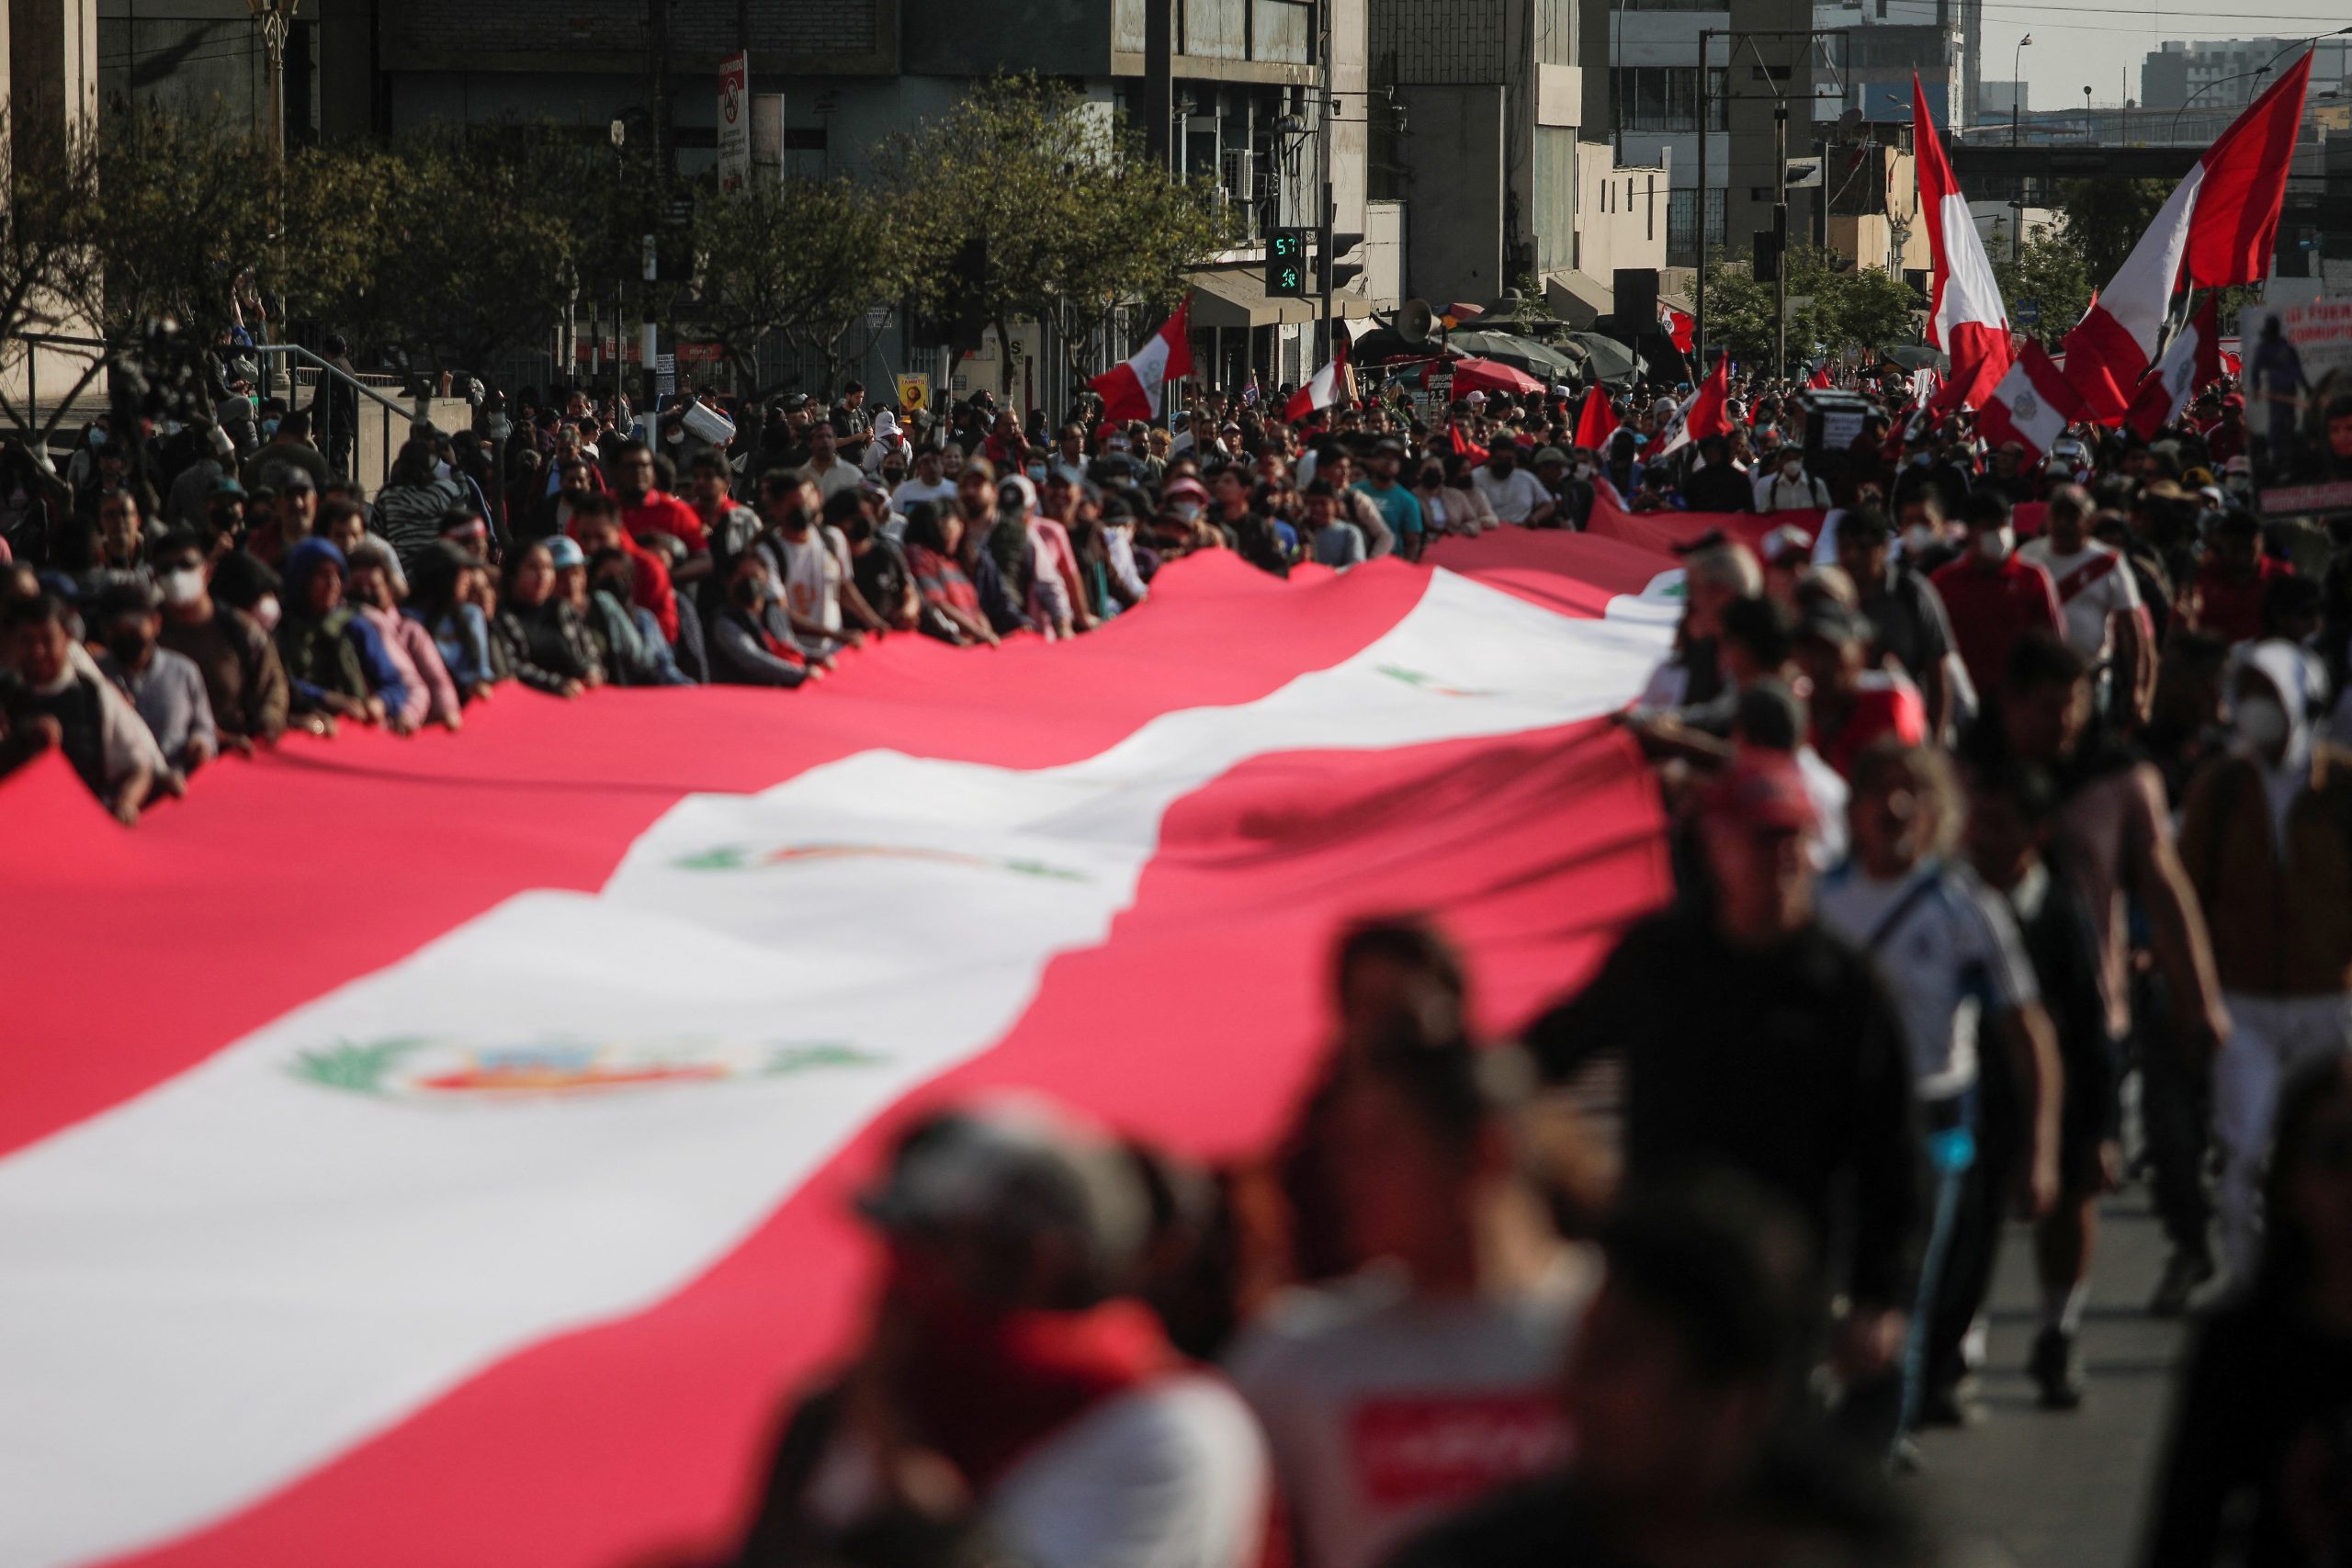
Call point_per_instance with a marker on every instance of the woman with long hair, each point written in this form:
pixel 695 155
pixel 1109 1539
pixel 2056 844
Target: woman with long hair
pixel 547 642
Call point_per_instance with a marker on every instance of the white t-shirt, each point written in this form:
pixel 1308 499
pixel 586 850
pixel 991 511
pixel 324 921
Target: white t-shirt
pixel 1514 499
pixel 2093 584
pixel 843 474
pixel 813 571
pixel 1384 1411
pixel 1950 955
pixel 911 490
pixel 1170 1475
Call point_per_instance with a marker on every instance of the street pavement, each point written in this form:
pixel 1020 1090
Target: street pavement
pixel 2041 1489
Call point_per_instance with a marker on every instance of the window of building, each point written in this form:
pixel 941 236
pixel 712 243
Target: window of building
pixel 1682 224
pixel 1666 97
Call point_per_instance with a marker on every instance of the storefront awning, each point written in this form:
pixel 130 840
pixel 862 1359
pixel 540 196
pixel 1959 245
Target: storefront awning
pixel 1578 297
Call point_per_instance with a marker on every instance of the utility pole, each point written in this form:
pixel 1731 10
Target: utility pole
pixel 1781 237
pixel 1331 205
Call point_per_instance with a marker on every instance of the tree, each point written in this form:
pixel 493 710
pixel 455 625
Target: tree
pixel 1832 304
pixel 1051 212
pixel 803 260
pixel 2104 219
pixel 2052 273
pixel 476 251
pixel 50 271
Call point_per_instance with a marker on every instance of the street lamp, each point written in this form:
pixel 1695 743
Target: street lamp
pixel 2217 81
pixel 273 19
pixel 2017 85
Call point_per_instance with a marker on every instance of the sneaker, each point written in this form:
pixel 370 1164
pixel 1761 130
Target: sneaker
pixel 2056 1368
pixel 2184 1271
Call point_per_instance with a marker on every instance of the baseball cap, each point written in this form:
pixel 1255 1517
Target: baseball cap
pixel 1185 486
pixel 1018 488
pixel 1475 399
pixel 1010 1172
pixel 565 552
pixel 1549 455
pixel 1763 789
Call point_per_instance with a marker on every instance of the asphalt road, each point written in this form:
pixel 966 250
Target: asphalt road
pixel 2041 1489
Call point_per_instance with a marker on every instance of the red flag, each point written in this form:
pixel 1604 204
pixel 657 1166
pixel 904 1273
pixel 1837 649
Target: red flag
pixel 2218 228
pixel 2192 364
pixel 2032 406
pixel 1675 324
pixel 1820 376
pixel 1703 415
pixel 1323 389
pixel 1596 420
pixel 1965 318
pixel 1132 391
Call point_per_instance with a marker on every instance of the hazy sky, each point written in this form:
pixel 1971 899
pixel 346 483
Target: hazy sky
pixel 2096 44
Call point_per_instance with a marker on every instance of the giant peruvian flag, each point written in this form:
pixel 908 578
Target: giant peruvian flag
pixel 2034 405
pixel 1132 391
pixel 2192 362
pixel 1965 318
pixel 2218 229
pixel 434 1153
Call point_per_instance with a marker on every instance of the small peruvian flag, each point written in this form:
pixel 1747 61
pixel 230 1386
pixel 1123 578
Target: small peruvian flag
pixel 1702 416
pixel 2032 405
pixel 1324 388
pixel 1132 391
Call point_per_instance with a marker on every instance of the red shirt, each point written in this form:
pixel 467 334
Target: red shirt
pixel 2222 607
pixel 661 512
pixel 1992 610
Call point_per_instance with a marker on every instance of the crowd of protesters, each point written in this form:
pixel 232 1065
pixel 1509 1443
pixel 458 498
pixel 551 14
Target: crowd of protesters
pixel 1993 781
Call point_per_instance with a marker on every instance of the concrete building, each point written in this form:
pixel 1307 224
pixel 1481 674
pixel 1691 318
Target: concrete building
pixel 852 72
pixel 1860 58
pixel 1484 130
pixel 2229 72
pixel 49 63
pixel 1995 101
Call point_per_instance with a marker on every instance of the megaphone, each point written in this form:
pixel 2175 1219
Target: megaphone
pixel 1415 322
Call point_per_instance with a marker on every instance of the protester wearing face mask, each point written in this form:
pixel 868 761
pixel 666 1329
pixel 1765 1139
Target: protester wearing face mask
pixel 62 701
pixel 2266 839
pixel 243 683
pixel 1518 497
pixel 1994 597
pixel 164 688
pixel 1785 487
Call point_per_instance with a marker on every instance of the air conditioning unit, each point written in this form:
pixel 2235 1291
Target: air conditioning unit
pixel 1236 172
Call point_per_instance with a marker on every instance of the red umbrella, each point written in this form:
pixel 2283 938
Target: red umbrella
pixel 1472 374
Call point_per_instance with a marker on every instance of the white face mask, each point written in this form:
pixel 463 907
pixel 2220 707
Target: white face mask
pixel 1920 460
pixel 182 587
pixel 1584 470
pixel 1919 538
pixel 1996 545
pixel 2260 723
pixel 266 612
pixel 1790 471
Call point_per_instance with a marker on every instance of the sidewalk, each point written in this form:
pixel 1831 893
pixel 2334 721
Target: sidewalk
pixel 2048 1490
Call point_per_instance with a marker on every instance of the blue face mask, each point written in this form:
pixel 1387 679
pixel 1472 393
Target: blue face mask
pixel 268 428
pixel 97 438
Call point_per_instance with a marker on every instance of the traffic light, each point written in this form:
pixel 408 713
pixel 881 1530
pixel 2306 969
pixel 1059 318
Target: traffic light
pixel 1768 256
pixel 1286 264
pixel 1342 273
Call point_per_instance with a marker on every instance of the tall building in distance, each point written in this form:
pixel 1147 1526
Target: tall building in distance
pixel 2224 72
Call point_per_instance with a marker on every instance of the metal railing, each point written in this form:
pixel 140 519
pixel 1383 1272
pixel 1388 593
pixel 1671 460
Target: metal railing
pixel 369 474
